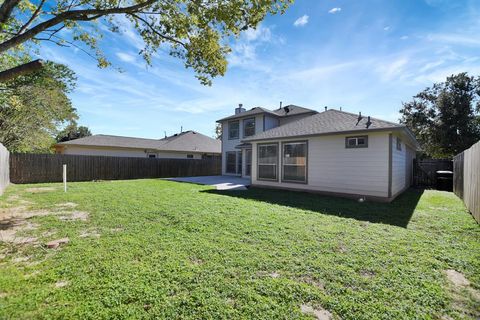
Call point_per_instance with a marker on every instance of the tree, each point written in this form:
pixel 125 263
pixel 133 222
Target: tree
pixel 195 31
pixel 33 106
pixel 218 131
pixel 445 118
pixel 73 131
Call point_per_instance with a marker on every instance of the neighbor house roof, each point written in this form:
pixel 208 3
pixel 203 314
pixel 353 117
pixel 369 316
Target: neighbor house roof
pixel 289 110
pixel 189 141
pixel 327 122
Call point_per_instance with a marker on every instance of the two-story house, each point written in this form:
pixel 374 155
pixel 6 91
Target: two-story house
pixel 237 156
pixel 331 152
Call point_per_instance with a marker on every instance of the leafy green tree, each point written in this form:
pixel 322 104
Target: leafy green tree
pixel 218 131
pixel 33 106
pixel 446 117
pixel 195 31
pixel 73 131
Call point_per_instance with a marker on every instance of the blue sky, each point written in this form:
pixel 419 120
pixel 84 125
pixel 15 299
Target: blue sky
pixel 366 56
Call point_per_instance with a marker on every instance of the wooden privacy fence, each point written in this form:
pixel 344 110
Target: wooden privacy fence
pixel 466 179
pixel 34 168
pixel 425 171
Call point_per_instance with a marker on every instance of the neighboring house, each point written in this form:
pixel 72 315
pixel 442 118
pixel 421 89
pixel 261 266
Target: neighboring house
pixel 185 145
pixel 331 152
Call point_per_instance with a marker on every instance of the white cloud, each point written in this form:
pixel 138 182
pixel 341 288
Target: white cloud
pixel 125 57
pixel 334 10
pixel 386 28
pixel 261 33
pixel 403 37
pixel 303 20
pixel 455 38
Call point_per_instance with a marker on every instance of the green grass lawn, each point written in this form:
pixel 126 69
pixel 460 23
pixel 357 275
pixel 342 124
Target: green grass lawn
pixel 159 249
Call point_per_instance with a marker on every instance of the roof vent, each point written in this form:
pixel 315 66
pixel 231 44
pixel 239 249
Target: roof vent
pixel 359 118
pixel 240 109
pixel 369 123
pixel 326 108
pixel 286 109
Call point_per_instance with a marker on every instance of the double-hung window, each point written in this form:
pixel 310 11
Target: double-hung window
pixel 267 162
pixel 233 130
pixel 294 162
pixel 249 127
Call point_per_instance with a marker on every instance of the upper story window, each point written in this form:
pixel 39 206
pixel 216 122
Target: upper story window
pixel 248 127
pixel 356 142
pixel 233 129
pixel 399 144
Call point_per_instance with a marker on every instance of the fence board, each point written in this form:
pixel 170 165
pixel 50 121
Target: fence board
pixel 4 168
pixel 471 180
pixel 458 165
pixel 35 168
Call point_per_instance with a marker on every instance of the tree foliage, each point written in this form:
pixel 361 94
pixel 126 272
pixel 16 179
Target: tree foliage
pixel 73 131
pixel 195 31
pixel 33 106
pixel 446 117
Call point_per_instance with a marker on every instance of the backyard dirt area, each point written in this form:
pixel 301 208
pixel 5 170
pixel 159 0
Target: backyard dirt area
pixel 162 249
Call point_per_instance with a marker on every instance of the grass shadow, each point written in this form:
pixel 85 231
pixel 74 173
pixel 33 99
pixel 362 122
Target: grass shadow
pixel 397 213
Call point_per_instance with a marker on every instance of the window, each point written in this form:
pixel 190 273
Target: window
pixel 248 127
pixel 248 162
pixel 294 162
pixel 233 130
pixel 267 161
pixel 356 142
pixel 152 155
pixel 399 144
pixel 189 156
pixel 231 162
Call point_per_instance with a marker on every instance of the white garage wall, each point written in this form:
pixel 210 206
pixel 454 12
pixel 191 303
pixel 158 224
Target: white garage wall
pixel 334 168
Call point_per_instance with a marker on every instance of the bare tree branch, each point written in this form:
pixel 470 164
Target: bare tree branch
pixel 74 15
pixel 21 70
pixel 149 25
pixel 33 17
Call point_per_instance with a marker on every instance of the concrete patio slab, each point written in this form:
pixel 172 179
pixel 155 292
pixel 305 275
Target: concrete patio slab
pixel 220 182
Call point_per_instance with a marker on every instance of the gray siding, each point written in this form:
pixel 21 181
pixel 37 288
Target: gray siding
pixel 125 152
pixel 334 168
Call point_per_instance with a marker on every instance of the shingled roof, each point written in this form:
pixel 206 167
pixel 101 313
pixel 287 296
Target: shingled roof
pixel 289 110
pixel 188 141
pixel 327 122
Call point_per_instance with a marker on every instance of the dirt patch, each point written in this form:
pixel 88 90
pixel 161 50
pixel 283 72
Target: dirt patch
pixel 463 294
pixel 89 234
pixel 456 278
pixel 273 275
pixel 75 215
pixel 66 205
pixel 318 312
pixel 367 274
pixel 196 261
pixel 311 281
pixel 40 189
pixel 10 228
pixel 61 284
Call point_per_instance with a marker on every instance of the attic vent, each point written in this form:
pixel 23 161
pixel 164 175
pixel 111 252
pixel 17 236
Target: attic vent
pixel 369 123
pixel 286 109
pixel 359 118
